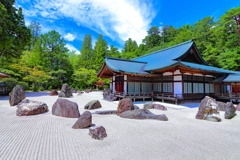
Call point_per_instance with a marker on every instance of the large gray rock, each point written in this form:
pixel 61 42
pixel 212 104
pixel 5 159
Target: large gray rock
pixel 16 95
pixel 124 105
pixel 95 104
pixel 65 108
pixel 142 114
pixel 28 107
pixel 230 111
pixel 84 121
pixel 97 132
pixel 208 110
pixel 65 91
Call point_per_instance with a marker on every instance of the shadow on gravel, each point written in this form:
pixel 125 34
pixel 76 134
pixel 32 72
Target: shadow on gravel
pixel 36 94
pixel 29 94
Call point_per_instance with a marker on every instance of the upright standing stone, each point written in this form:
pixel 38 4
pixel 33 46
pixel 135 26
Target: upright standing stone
pixel 65 108
pixel 124 105
pixel 16 95
pixel 230 111
pixel 208 110
pixel 84 121
pixel 65 91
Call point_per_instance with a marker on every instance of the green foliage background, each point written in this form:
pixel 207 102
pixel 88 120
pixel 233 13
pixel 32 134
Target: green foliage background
pixel 42 61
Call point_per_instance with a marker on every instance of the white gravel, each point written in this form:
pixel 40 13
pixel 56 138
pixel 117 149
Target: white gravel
pixel 48 137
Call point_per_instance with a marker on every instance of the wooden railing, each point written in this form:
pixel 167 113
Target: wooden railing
pixel 154 95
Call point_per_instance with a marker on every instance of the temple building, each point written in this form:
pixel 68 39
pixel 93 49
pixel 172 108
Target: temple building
pixel 3 88
pixel 174 73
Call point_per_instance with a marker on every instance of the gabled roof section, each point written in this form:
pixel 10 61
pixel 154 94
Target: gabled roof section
pixel 126 66
pixel 229 78
pixel 169 56
pixel 3 75
pixel 206 68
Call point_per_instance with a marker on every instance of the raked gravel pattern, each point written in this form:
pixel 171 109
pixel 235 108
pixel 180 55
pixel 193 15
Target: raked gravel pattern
pixel 48 137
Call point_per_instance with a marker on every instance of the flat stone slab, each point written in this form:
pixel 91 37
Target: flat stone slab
pixel 142 114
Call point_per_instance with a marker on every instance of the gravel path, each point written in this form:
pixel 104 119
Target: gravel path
pixel 48 137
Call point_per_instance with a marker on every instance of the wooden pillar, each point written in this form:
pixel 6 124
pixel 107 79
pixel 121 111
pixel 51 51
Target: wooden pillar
pixel 125 84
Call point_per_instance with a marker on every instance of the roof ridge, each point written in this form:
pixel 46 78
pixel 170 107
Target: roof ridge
pixel 177 45
pixel 124 60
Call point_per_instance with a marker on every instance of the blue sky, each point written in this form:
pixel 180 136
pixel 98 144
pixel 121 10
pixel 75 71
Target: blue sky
pixel 117 20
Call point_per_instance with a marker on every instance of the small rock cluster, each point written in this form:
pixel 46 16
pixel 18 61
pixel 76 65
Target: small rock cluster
pixel 65 91
pixel 126 109
pixel 108 95
pixel 209 110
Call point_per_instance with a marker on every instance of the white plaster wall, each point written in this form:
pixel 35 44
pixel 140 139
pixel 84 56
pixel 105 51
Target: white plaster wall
pixel 229 90
pixel 177 78
pixel 197 74
pixel 208 76
pixel 178 89
pixel 113 85
pixel 177 72
pixel 125 84
pixel 187 73
pixel 167 73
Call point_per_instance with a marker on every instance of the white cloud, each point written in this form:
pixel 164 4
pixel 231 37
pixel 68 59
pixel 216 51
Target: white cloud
pixel 69 37
pixel 124 18
pixel 72 48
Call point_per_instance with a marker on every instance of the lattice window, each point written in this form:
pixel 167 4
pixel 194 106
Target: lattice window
pixel 207 88
pixel 167 78
pixel 146 88
pixel 131 87
pixel 211 88
pixel 167 87
pixel 157 87
pixel 187 87
pixel 137 87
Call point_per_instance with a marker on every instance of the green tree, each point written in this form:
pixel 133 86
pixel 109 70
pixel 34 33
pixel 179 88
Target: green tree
pixel 87 56
pixel 130 46
pixel 100 51
pixel 14 35
pixel 153 38
pixel 113 52
pixel 35 28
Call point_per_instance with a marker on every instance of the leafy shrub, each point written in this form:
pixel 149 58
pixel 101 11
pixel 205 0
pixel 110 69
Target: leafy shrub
pixel 9 82
pixel 41 88
pixel 24 85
